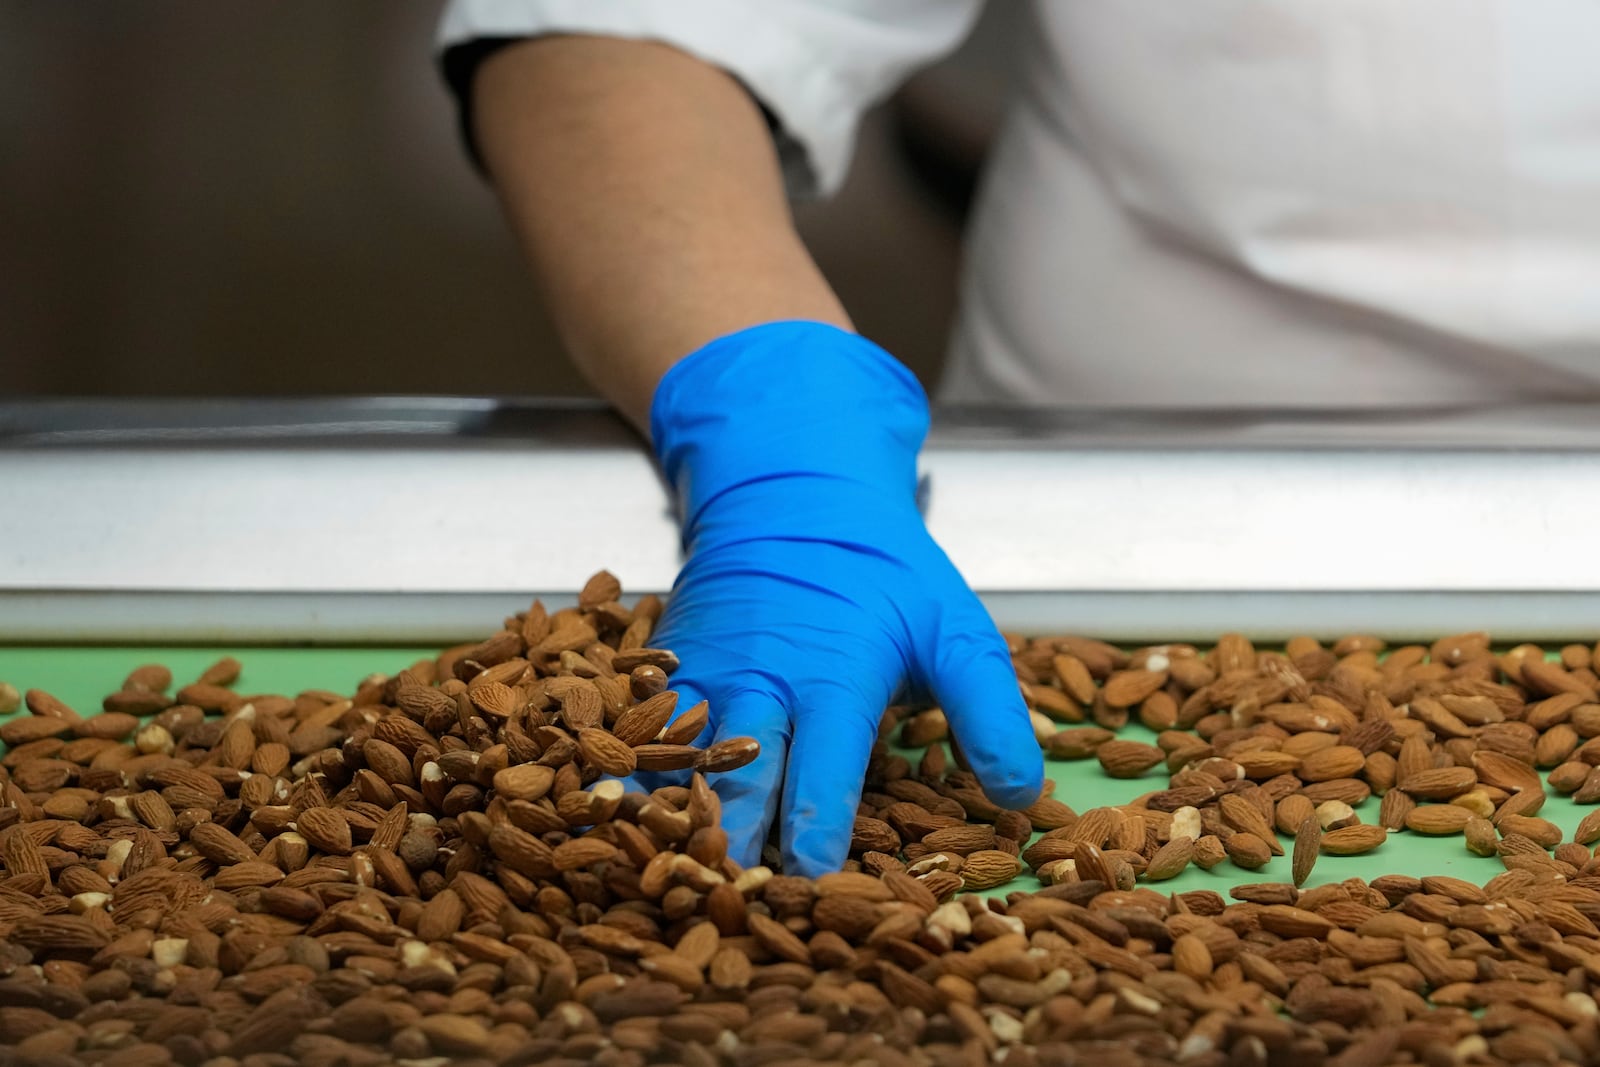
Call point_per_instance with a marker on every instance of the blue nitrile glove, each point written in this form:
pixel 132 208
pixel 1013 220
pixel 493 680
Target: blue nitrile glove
pixel 813 595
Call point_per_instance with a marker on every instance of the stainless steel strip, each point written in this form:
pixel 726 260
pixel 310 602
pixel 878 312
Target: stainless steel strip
pixel 328 515
pixel 327 519
pixel 158 617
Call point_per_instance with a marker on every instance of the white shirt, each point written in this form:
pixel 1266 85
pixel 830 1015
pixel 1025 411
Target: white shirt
pixel 1219 202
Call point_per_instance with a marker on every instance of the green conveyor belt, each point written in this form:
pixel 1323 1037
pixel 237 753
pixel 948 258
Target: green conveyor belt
pixel 81 676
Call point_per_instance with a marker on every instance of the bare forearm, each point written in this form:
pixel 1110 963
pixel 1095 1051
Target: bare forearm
pixel 643 186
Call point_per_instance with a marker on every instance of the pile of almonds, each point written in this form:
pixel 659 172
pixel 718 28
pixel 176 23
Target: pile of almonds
pixel 1257 744
pixel 443 868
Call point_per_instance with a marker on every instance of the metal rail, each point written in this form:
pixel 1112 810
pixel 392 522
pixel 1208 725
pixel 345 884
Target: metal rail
pixel 410 519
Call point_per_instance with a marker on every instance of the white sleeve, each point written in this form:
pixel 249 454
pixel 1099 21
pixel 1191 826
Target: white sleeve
pixel 815 65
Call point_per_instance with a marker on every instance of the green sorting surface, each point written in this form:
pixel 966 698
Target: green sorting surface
pixel 81 676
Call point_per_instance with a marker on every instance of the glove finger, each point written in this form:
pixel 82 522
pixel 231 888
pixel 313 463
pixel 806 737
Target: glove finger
pixel 974 682
pixel 827 764
pixel 750 794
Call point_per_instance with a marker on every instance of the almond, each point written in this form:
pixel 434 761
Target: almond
pixel 582 852
pixel 960 840
pixel 1124 689
pixel 1307 847
pixel 1074 677
pixel 494 699
pixel 523 852
pixel 1556 745
pixel 1439 783
pixel 220 846
pixel 326 830
pixel 606 753
pixel 852 884
pixel 873 835
pixel 441 916
pixel 1242 814
pixel 1350 791
pixel 1292 812
pixel 1549 679
pixel 1077 743
pixel 1046 813
pixel 988 868
pixel 1353 840
pixel 47 934
pixel 1339 761
pixel 1393 811
pixel 778 939
pixel 23 855
pixel 688 726
pixel 388 762
pixel 728 755
pixel 1247 850
pixel 665 757
pixel 45 705
pixel 1267 764
pixel 925 728
pixel 1233 652
pixel 601 588
pixel 152 809
pixel 527 781
pixel 1288 921
pixel 643 723
pixel 1545 832
pixel 454 1035
pixel 18 731
pixel 1504 772
pixel 1209 851
pixel 1128 759
pixel 1170 859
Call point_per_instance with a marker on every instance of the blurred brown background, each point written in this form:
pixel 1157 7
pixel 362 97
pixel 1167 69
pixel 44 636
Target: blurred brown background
pixel 202 197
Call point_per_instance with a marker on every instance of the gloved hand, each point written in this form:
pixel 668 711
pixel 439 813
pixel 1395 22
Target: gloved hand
pixel 812 594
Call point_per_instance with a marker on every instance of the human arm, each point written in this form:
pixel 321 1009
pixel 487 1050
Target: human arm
pixel 645 189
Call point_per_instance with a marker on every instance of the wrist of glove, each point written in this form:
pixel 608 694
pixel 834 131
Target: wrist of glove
pixel 813 596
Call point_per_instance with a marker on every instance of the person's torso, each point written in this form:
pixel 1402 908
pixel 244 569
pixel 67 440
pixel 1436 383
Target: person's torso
pixel 1236 201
